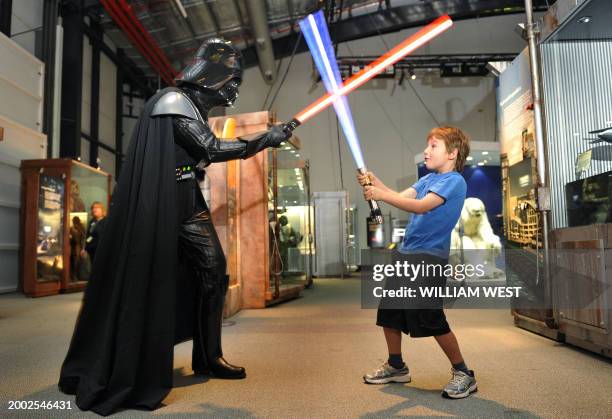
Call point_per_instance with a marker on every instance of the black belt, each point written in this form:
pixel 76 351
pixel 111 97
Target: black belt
pixel 185 172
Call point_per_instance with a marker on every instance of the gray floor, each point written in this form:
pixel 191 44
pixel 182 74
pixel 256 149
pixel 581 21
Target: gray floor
pixel 305 358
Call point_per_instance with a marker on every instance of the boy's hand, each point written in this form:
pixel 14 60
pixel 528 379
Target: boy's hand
pixel 369 178
pixel 373 193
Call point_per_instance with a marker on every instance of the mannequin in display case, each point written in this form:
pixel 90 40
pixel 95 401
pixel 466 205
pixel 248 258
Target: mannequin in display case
pixel 159 276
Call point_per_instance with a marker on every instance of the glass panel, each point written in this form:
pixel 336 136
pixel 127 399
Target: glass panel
pixel 49 238
pixel 87 187
pixel 290 243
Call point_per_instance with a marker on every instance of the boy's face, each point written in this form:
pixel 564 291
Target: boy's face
pixel 437 158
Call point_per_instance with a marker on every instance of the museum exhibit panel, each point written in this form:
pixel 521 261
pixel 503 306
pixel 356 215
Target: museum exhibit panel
pixel 524 241
pixel 57 197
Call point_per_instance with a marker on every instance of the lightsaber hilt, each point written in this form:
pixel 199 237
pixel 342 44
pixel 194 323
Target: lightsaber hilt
pixel 375 212
pixel 293 124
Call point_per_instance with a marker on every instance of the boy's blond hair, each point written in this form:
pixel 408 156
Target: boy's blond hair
pixel 453 138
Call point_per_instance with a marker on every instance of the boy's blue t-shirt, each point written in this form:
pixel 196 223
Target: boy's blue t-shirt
pixel 431 232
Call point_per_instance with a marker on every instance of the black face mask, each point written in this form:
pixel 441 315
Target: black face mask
pixel 216 63
pixel 229 92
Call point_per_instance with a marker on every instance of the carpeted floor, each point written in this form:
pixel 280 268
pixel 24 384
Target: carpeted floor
pixel 305 358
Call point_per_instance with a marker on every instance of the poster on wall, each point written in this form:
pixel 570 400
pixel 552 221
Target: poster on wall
pixel 49 237
pixel 515 123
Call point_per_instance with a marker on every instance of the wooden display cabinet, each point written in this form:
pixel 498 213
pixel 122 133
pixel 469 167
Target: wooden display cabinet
pixel 56 197
pixel 240 198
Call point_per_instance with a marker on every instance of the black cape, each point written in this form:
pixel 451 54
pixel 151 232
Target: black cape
pixel 121 353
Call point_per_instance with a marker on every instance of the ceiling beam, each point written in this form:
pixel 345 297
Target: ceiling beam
pixel 213 16
pixel 398 18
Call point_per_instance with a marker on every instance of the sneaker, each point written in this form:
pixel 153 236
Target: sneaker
pixel 461 385
pixel 388 374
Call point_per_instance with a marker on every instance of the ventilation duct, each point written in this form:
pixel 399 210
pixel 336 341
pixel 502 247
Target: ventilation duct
pixel 263 44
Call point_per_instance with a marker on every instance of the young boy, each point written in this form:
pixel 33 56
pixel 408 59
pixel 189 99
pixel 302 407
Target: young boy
pixel 436 201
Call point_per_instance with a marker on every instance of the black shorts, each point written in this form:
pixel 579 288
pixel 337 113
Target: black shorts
pixel 418 323
pixel 415 317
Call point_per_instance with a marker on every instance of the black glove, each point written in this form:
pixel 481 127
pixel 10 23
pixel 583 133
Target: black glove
pixel 278 134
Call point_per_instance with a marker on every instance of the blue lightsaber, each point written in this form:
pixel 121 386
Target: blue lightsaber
pixel 319 42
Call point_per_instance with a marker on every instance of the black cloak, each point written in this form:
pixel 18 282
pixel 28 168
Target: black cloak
pixel 121 353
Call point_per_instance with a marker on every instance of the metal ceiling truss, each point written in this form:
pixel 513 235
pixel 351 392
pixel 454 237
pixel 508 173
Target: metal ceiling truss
pixel 450 65
pixel 123 15
pixel 349 20
pixel 402 17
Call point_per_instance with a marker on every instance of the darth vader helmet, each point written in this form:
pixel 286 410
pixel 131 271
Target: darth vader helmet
pixel 216 69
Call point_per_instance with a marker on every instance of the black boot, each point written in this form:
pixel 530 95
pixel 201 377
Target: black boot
pixel 207 356
pixel 220 368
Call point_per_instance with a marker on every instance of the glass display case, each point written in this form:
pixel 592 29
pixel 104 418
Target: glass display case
pixel 58 196
pixel 290 214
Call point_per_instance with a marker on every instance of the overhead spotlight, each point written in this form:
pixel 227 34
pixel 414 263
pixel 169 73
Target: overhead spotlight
pixel 412 75
pixel 584 19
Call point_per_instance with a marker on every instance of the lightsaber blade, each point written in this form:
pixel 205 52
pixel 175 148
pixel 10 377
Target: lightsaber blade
pixel 319 42
pixel 411 43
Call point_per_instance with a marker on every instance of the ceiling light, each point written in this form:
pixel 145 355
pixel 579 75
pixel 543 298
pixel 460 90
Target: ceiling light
pixel 469 158
pixel 412 75
pixel 481 164
pixel 584 19
pixel 484 153
pixel 297 155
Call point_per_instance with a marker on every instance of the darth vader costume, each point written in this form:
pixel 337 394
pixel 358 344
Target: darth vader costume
pixel 159 273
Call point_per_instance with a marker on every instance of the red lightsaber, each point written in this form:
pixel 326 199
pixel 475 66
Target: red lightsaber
pixel 411 43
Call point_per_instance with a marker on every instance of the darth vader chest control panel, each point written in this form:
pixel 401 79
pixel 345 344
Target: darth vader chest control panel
pixel 185 172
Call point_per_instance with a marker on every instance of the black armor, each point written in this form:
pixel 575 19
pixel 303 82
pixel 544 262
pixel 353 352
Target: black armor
pixel 211 80
pixel 159 273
